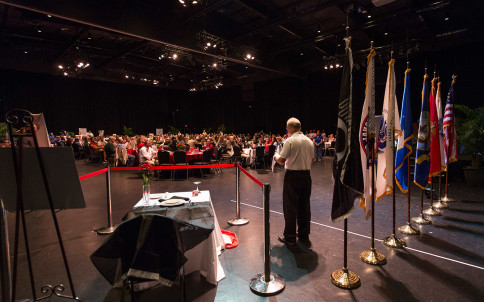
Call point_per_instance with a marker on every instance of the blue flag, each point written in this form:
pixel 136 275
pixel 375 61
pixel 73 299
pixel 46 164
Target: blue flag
pixel 422 158
pixel 404 147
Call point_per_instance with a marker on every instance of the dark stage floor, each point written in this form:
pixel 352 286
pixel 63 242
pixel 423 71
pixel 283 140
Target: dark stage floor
pixel 445 263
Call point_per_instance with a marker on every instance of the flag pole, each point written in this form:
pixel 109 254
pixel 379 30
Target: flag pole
pixel 421 219
pixel 408 229
pixel 393 241
pixel 446 198
pixel 371 256
pixel 344 278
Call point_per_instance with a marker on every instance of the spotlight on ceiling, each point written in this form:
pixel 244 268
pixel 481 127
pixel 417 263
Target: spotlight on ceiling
pixel 65 73
pixel 126 76
pixel 447 16
pixel 369 16
pixel 331 66
pixel 326 67
pixel 60 67
pixel 174 56
pixel 337 65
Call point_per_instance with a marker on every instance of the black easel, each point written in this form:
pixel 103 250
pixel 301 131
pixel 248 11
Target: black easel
pixel 23 119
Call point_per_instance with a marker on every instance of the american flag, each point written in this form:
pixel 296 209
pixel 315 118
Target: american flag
pixel 450 136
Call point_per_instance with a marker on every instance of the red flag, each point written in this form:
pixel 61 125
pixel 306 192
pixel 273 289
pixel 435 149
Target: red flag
pixel 435 157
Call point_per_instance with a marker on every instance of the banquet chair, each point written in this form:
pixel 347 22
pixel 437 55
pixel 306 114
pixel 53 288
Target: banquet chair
pixel 180 160
pixel 259 157
pixel 268 157
pixel 218 156
pixel 332 149
pixel 237 156
pixel 92 156
pixel 163 160
pixel 206 160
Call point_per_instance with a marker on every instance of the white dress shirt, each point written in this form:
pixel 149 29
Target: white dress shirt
pixel 298 151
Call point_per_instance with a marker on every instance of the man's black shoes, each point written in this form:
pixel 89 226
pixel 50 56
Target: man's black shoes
pixel 306 243
pixel 286 240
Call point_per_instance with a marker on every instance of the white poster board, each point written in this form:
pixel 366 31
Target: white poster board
pixel 41 130
pixel 83 131
pixel 101 132
pixel 159 131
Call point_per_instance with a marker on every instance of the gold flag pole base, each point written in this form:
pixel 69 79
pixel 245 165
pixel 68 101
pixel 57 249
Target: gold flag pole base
pixel 345 278
pixel 394 242
pixel 440 205
pixel 409 229
pixel 431 212
pixel 373 257
pixel 446 199
pixel 421 220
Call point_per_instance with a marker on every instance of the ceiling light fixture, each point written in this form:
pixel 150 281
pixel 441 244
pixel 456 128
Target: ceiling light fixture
pixel 60 67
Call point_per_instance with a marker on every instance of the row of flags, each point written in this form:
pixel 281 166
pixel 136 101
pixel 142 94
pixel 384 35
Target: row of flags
pixel 356 151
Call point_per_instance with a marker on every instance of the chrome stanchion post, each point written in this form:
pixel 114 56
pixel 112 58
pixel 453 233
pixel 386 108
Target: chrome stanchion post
pixel 267 283
pixel 237 220
pixel 110 228
pixel 5 273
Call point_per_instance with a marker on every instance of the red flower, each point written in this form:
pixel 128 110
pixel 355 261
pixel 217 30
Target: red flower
pixel 146 166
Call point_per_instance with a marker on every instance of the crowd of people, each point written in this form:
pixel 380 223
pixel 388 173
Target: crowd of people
pixel 142 148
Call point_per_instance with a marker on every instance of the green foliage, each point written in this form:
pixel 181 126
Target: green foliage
pixel 3 130
pixel 208 129
pixel 128 131
pixel 173 130
pixel 222 128
pixel 470 131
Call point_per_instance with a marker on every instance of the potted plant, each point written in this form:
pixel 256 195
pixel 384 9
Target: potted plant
pixel 470 135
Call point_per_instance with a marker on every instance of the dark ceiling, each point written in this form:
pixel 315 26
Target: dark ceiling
pixel 136 41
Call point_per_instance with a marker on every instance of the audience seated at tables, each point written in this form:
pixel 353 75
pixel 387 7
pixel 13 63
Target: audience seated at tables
pixel 147 154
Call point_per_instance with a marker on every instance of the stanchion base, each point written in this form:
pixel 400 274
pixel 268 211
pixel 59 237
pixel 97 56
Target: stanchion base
pixel 259 286
pixel 431 212
pixel 238 221
pixel 409 229
pixel 421 220
pixel 440 205
pixel 345 278
pixel 394 242
pixel 373 257
pixel 446 199
pixel 106 230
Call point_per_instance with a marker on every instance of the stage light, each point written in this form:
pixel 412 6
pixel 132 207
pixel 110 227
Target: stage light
pixel 318 29
pixel 87 65
pixel 386 34
pixel 65 73
pixel 182 1
pixel 126 76
pixel 302 53
pixel 325 67
pixel 337 65
pixel 26 51
pixel 214 65
pixel 195 2
pixel 175 56
pixel 39 30
pixel 214 45
pixel 331 66
pixel 60 67
pixel 369 16
pixel 89 37
pixel 447 16
pixel 209 44
pixel 155 82
pixel 49 16
pixel 80 64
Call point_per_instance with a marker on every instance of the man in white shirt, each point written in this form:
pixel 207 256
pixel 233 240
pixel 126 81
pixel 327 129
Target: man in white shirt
pixel 147 154
pixel 297 155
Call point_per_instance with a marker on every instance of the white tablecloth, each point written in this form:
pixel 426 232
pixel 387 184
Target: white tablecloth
pixel 203 257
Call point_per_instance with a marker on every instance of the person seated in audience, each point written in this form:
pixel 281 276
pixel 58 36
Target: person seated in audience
pixel 209 146
pixel 69 141
pixel 110 149
pixel 5 143
pixel 65 134
pixel 95 148
pixel 147 154
pixel 191 142
pixel 51 138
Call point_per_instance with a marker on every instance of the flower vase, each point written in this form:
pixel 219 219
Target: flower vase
pixel 146 194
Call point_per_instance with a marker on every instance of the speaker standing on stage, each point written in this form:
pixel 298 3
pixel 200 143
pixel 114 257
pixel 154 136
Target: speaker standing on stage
pixel 297 155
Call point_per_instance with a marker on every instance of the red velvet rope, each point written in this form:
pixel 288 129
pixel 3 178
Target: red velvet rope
pixel 251 177
pixel 93 174
pixel 180 167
